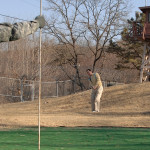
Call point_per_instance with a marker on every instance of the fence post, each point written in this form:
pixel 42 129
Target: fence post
pixel 32 91
pixel 21 93
pixel 73 86
pixel 57 88
pixel 104 84
pixel 63 88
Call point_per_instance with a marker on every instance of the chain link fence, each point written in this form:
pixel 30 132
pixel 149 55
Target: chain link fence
pixel 15 90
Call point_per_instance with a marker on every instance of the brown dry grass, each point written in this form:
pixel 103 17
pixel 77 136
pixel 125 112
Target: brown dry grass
pixel 124 105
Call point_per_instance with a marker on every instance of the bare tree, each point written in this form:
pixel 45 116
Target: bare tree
pixel 78 23
pixel 64 26
pixel 103 20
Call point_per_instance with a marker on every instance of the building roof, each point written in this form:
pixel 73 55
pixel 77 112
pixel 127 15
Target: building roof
pixel 144 8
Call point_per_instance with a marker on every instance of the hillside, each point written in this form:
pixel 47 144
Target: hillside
pixel 123 105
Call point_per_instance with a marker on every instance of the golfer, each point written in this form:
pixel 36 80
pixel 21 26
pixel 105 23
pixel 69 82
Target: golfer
pixel 97 89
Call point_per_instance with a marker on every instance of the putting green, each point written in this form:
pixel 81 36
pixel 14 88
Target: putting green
pixel 76 139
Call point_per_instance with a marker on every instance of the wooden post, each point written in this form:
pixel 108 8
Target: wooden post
pixel 145 67
pixel 142 66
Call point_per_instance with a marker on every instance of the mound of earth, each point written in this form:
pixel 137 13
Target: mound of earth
pixel 121 106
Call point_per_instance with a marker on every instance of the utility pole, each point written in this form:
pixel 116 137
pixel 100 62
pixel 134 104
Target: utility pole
pixel 145 2
pixel 40 74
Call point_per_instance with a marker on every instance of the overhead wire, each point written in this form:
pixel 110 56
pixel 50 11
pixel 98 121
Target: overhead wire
pixel 13 17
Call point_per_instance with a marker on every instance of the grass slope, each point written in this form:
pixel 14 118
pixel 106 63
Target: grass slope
pixel 123 105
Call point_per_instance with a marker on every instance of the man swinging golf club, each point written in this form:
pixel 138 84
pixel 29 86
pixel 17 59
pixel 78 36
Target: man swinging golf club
pixel 97 89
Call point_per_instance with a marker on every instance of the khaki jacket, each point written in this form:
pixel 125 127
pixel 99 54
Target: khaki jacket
pixel 95 80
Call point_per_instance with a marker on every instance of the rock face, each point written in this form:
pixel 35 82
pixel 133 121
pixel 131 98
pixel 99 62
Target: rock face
pixel 19 30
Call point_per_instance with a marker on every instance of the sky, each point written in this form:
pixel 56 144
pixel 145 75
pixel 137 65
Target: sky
pixel 28 10
pixel 24 9
pixel 138 3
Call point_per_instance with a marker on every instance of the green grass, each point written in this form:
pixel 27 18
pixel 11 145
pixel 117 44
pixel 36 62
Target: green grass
pixel 76 139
